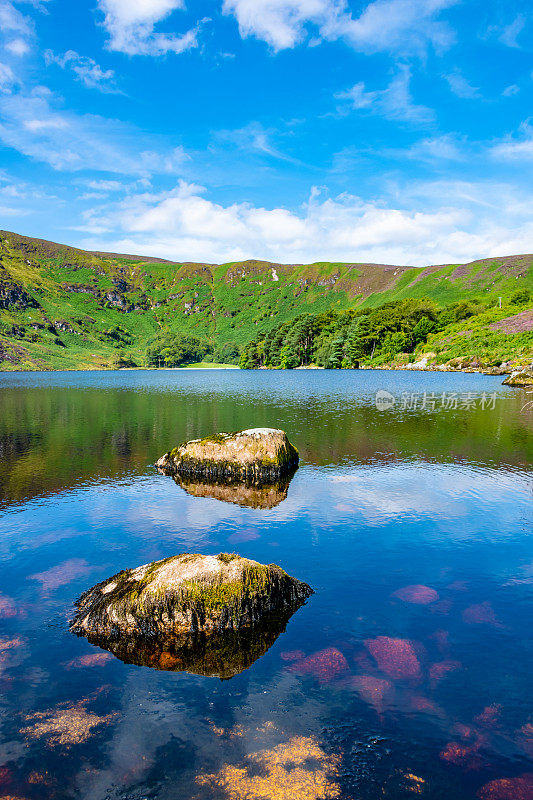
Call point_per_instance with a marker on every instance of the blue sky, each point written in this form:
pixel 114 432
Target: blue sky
pixel 399 131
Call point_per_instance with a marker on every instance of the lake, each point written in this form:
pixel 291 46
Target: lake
pixel 408 672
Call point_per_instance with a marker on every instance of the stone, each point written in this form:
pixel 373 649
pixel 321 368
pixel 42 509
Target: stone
pixel 187 594
pixel 258 454
pixel 523 377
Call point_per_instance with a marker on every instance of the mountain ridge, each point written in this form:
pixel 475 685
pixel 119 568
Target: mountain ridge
pixel 64 307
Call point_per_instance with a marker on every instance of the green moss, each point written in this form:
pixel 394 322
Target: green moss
pixel 227 557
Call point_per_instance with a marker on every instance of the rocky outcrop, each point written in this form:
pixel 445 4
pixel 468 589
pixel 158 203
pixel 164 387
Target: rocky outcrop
pixel 523 377
pixel 258 454
pixel 14 298
pixel 187 594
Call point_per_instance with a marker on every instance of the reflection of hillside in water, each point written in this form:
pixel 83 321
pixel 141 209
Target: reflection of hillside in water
pixel 52 438
pixel 220 655
pixel 245 493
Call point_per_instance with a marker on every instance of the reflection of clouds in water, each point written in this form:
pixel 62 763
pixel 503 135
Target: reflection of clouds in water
pixel 364 495
pixel 148 720
pixel 442 493
pixel 423 490
pixel 152 716
pixel 62 573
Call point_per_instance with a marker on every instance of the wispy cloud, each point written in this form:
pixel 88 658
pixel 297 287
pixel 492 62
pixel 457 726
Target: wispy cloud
pixel 255 138
pixel 85 69
pixel 66 141
pixel 509 34
pixel 395 102
pixel 515 148
pixel 438 148
pixel 461 87
pixel 7 79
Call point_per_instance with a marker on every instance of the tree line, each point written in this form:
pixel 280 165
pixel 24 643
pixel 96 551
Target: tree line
pixel 177 350
pixel 341 339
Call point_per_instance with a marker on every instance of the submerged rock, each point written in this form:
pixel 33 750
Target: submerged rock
pixel 187 594
pixel 523 377
pixel 250 494
pixel 259 454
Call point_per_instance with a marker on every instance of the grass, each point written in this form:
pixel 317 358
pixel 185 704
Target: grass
pixel 228 304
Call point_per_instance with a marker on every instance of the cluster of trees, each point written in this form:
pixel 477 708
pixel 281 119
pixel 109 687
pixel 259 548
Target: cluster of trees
pixel 336 340
pixel 520 297
pixel 173 350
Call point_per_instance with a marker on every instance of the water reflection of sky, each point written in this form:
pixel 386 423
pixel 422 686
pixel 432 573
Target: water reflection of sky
pixel 408 672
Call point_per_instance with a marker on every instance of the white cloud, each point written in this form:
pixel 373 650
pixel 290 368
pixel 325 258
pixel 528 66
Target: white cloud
pixel 398 25
pixel 436 148
pixel 12 21
pixel 511 90
pixel 105 186
pixel 18 47
pixel 131 23
pixel 280 23
pixel 183 224
pixel 15 29
pixel 86 70
pixel 254 138
pixel 516 148
pixel 395 102
pixel 67 141
pixel 7 79
pixel 510 33
pixel 461 87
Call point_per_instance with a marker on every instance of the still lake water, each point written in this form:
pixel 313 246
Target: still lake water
pixel 407 672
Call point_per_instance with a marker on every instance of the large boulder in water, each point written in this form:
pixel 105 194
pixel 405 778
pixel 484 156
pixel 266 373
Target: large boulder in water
pixel 187 594
pixel 259 454
pixel 523 377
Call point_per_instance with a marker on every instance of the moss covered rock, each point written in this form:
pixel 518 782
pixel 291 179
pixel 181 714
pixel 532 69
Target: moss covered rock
pixel 260 454
pixel 187 594
pixel 522 378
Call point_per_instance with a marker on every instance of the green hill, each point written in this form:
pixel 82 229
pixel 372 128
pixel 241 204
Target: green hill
pixel 64 308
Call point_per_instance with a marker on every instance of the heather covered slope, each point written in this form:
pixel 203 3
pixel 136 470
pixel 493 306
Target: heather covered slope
pixel 64 308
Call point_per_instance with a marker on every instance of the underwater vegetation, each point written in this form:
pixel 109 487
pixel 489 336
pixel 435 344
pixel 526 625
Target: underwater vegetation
pixel 298 768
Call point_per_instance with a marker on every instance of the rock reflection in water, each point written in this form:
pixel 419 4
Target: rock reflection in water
pixel 220 655
pixel 251 494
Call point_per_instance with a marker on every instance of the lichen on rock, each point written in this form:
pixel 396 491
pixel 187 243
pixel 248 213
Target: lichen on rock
pixel 187 594
pixel 259 454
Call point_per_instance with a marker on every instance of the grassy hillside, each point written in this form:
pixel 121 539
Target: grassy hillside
pixel 63 308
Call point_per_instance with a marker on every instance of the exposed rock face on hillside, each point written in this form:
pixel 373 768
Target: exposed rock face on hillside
pixel 259 454
pixel 522 378
pixel 186 595
pixel 13 297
